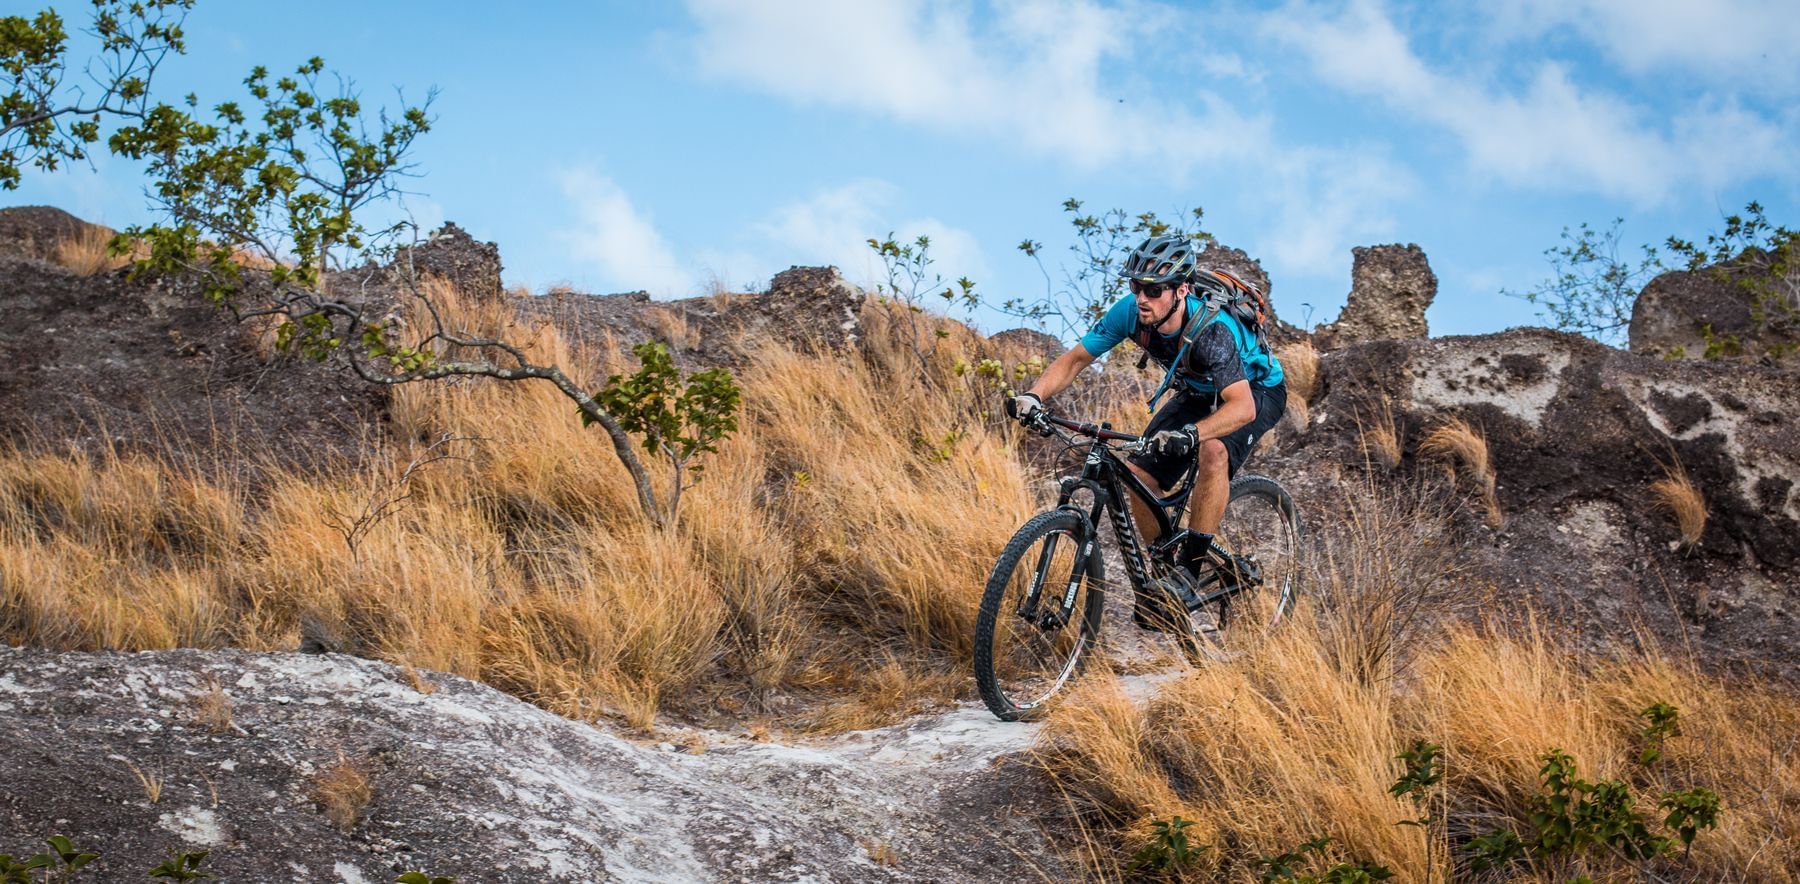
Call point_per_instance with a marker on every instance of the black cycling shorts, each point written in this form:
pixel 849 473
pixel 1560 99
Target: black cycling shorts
pixel 1187 409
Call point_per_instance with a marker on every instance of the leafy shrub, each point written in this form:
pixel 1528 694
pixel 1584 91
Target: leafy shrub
pixel 1168 849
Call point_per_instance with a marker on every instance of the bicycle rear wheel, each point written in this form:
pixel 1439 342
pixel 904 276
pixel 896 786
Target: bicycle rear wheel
pixel 1262 531
pixel 1026 650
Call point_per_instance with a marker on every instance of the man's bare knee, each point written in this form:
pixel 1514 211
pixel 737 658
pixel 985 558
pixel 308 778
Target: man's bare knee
pixel 1213 456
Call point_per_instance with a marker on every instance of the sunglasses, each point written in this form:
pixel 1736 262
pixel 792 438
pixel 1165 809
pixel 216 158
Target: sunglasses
pixel 1151 290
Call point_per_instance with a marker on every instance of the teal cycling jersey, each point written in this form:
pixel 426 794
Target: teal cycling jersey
pixel 1218 358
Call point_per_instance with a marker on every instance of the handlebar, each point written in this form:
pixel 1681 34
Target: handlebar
pixel 1082 429
pixel 1047 424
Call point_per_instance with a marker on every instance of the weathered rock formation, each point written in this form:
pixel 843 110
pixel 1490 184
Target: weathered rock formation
pixel 1577 432
pixel 1237 262
pixel 452 253
pixel 1713 312
pixel 1390 288
pixel 34 232
pixel 467 781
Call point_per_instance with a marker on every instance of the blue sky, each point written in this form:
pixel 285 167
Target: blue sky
pixel 616 146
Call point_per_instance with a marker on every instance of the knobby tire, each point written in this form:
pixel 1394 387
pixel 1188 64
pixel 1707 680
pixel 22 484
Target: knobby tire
pixel 1006 691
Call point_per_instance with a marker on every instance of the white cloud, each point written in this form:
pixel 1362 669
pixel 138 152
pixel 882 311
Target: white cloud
pixel 1326 202
pixel 834 226
pixel 1552 132
pixel 1749 42
pixel 620 241
pixel 1036 74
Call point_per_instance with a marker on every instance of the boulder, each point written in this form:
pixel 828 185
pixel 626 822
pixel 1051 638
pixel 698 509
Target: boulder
pixel 34 232
pixel 1714 312
pixel 1390 288
pixel 814 306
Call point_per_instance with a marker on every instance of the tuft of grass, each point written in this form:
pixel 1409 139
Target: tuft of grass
pixel 151 781
pixel 1300 369
pixel 1378 436
pixel 1677 495
pixel 880 852
pixel 343 791
pixel 212 708
pixel 1388 568
pixel 88 252
pixel 670 325
pixel 1462 445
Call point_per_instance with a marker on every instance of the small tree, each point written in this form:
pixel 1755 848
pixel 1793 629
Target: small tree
pixel 45 119
pixel 1090 283
pixel 1592 288
pixel 285 186
pixel 678 421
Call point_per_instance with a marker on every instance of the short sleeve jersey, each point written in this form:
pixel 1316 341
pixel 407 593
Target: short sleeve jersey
pixel 1216 359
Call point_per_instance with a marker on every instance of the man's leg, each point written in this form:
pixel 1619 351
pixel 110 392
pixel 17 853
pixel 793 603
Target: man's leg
pixel 1212 490
pixel 1140 511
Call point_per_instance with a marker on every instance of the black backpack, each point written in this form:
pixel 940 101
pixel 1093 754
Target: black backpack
pixel 1219 292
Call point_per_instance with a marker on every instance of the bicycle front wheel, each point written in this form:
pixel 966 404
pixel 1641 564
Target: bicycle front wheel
pixel 1262 532
pixel 1040 615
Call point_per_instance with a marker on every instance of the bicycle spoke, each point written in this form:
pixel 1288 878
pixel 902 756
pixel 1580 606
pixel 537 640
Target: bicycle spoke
pixel 1261 533
pixel 1036 644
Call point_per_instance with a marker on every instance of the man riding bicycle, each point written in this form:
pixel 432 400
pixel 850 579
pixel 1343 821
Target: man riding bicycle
pixel 1228 392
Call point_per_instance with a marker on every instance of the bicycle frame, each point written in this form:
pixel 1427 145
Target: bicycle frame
pixel 1107 480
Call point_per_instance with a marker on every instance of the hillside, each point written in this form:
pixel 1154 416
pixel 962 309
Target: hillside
pixel 788 667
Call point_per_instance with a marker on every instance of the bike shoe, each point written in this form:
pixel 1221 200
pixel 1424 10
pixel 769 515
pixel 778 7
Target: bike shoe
pixel 1163 605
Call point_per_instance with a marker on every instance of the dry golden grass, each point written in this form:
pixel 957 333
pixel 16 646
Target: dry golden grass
pixel 670 325
pixel 1379 437
pixel 88 252
pixel 151 781
pixel 1381 604
pixel 1459 444
pixel 343 790
pixel 212 708
pixel 1677 495
pixel 1266 752
pixel 1300 369
pixel 525 562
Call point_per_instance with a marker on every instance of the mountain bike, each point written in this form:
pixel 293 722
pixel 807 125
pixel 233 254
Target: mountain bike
pixel 1041 610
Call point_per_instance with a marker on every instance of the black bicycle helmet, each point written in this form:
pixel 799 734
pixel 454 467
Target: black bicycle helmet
pixel 1160 260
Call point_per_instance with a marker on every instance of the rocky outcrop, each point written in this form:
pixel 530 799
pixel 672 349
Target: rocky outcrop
pixel 452 254
pixel 466 781
pixel 101 361
pixel 34 232
pixel 1714 312
pixel 1390 288
pixel 1577 433
pixel 1026 343
pixel 827 308
pixel 1237 262
pixel 448 253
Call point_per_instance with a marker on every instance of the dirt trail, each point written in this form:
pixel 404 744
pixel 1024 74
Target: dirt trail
pixel 468 781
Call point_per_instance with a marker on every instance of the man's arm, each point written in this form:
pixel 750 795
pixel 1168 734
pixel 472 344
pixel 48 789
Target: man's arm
pixel 1062 372
pixel 1237 407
